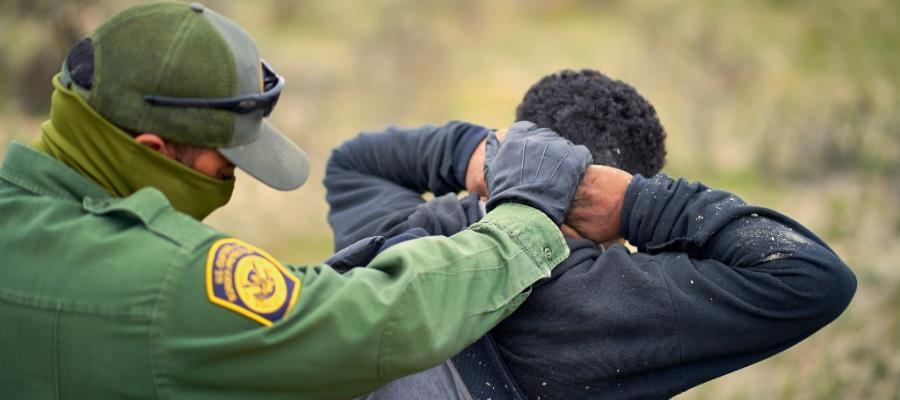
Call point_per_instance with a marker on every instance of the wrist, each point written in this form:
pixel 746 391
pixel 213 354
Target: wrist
pixel 474 179
pixel 465 150
pixel 637 184
pixel 596 209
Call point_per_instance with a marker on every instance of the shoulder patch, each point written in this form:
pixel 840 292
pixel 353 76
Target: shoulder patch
pixel 245 279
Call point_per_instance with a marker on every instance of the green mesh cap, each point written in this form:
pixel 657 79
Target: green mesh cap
pixel 178 50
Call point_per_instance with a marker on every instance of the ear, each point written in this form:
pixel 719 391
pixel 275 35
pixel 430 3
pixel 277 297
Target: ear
pixel 156 143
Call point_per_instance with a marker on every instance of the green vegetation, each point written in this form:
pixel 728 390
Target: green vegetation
pixel 790 103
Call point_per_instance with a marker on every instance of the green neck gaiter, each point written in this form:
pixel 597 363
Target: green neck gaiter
pixel 87 142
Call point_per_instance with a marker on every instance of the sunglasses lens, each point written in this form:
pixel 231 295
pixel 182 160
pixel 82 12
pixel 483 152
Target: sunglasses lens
pixel 271 105
pixel 270 83
pixel 270 78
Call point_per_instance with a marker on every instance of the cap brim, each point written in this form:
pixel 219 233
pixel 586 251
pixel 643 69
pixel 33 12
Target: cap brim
pixel 272 158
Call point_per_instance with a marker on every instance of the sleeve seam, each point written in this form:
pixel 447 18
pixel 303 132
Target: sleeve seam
pixel 677 325
pixel 522 245
pixel 383 342
pixel 153 331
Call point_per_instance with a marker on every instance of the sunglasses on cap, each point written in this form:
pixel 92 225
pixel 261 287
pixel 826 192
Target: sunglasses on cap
pixel 273 84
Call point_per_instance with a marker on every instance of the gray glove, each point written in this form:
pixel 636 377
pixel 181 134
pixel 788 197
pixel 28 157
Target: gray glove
pixel 535 167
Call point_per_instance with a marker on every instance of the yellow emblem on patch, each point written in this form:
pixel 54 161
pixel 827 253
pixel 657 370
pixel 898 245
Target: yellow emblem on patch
pixel 246 279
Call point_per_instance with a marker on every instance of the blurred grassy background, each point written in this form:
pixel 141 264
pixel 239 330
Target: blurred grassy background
pixel 792 104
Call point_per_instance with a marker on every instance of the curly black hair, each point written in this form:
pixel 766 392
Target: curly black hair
pixel 608 116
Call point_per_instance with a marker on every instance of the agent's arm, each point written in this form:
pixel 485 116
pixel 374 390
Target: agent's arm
pixel 234 318
pixel 413 306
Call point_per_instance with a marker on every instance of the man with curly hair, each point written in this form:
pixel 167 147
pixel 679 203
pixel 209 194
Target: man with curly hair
pixel 715 286
pixel 608 116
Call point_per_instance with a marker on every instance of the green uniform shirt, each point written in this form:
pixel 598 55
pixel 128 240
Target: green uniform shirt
pixel 106 298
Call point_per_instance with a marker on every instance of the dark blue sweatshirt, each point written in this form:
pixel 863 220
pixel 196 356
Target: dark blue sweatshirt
pixel 715 286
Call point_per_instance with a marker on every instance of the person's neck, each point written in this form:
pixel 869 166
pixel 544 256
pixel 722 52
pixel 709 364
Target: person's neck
pixel 88 143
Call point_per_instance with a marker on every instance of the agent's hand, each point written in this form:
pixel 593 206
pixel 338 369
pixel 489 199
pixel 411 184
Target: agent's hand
pixel 535 167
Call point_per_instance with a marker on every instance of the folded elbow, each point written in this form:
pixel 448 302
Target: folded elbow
pixel 842 287
pixel 834 288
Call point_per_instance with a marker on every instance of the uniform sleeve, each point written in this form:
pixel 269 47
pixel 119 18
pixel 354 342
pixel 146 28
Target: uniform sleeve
pixel 718 285
pixel 375 182
pixel 413 306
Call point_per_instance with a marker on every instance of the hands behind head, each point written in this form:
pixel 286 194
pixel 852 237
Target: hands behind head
pixel 595 210
pixel 536 167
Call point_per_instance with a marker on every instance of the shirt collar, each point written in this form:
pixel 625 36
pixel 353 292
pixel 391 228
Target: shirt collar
pixel 41 174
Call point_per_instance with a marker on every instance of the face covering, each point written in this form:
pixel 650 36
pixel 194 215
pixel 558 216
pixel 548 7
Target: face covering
pixel 84 140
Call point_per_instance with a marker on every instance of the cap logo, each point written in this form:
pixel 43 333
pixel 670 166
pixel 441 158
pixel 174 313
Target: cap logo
pixel 245 279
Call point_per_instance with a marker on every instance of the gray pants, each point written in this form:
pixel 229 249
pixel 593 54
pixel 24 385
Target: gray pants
pixel 439 383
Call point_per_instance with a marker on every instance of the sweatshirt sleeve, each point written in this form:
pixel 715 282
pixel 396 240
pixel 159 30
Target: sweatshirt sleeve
pixel 375 182
pixel 753 256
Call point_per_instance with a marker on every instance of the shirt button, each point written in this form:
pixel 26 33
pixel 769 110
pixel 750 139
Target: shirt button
pixel 548 253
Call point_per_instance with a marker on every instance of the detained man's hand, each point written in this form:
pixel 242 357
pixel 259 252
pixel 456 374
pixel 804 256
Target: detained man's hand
pixel 597 207
pixel 535 167
pixel 475 169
